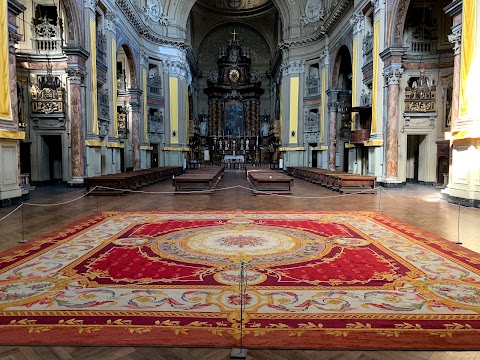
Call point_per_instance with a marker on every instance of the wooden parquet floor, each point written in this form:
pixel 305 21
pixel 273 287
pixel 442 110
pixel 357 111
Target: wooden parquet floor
pixel 415 204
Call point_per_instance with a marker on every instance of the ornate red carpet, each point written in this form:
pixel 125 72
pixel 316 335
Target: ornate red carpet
pixel 321 280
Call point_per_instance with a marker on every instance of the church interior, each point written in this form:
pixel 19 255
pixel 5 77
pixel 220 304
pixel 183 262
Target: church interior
pixel 385 89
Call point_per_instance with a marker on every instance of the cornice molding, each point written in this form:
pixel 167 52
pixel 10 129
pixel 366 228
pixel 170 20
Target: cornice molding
pixel 136 20
pixel 293 67
pixel 15 7
pixel 337 14
pixel 454 8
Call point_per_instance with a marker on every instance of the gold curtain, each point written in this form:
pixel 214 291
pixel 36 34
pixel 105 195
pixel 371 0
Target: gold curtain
pixel 5 102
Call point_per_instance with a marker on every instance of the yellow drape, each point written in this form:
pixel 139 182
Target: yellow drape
pixel 5 101
pixel 469 72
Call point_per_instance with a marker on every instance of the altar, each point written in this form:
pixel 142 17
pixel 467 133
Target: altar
pixel 234 161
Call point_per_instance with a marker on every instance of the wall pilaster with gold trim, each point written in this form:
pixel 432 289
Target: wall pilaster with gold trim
pixel 292 92
pixel 10 134
pixel 464 180
pixel 176 111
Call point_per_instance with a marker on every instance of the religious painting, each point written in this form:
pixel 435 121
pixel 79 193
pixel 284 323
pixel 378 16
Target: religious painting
pixel 233 118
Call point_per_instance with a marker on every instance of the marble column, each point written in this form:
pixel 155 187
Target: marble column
pixel 77 141
pixel 392 78
pixel 135 135
pixel 332 133
pixel 332 111
pixel 455 38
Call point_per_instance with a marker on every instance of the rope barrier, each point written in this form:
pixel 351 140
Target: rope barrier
pixel 61 203
pixel 11 212
pixel 256 192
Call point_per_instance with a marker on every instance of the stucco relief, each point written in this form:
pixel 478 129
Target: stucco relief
pixel 314 11
pixel 399 14
pixel 154 11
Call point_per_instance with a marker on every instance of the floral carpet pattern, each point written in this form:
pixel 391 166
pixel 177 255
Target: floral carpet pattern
pixel 320 280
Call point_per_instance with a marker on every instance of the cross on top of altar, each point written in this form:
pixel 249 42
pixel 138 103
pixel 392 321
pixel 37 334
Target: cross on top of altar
pixel 234 40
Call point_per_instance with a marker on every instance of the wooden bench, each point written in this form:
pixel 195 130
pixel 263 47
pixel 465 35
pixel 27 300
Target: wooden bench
pixel 354 183
pixel 121 182
pixel 203 180
pixel 338 181
pixel 269 181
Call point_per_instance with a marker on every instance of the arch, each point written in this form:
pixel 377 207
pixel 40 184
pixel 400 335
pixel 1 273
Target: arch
pixel 130 61
pixel 289 11
pixel 397 22
pixel 343 60
pixel 72 26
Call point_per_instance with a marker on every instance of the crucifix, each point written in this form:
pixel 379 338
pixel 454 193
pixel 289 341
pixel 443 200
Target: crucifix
pixel 234 33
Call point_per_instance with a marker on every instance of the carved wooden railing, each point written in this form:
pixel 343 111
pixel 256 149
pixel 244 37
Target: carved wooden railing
pixel 47 38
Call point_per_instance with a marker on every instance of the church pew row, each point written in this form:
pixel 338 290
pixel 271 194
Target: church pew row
pixel 130 180
pixel 202 179
pixel 265 180
pixel 342 182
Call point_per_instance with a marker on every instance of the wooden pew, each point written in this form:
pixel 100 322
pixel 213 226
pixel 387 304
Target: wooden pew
pixel 270 181
pixel 338 181
pixel 132 180
pixel 203 179
pixel 354 183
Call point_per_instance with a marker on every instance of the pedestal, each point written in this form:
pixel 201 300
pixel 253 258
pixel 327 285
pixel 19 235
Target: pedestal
pixel 238 353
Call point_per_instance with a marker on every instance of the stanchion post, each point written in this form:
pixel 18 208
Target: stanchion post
pixel 380 199
pixel 458 226
pixel 241 352
pixel 23 227
pixel 238 198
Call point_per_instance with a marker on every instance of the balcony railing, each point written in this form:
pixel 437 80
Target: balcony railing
pixel 422 46
pixel 47 38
